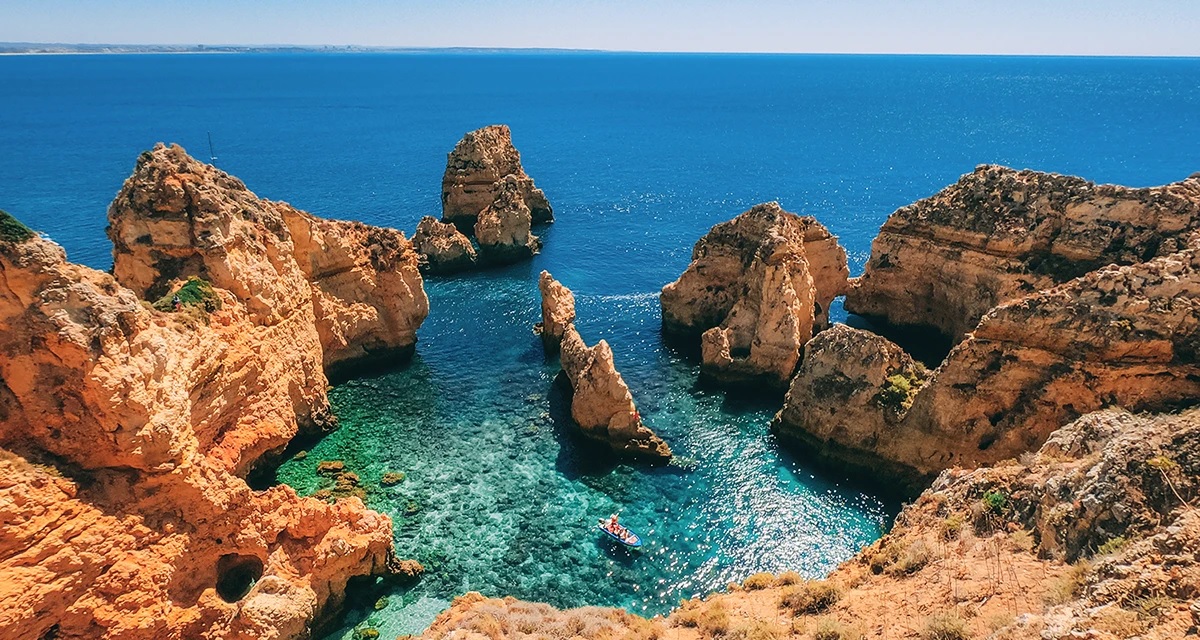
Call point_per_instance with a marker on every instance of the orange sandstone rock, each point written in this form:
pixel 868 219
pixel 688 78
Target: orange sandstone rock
pixel 474 170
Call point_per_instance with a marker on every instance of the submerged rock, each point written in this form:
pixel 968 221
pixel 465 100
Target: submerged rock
pixel 442 249
pixel 558 311
pixel 601 403
pixel 474 170
pixel 758 287
pixel 1000 234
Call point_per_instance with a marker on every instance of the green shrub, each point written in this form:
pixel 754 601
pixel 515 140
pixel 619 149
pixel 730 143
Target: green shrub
pixel 899 390
pixel 13 230
pixel 995 501
pixel 196 292
pixel 1112 545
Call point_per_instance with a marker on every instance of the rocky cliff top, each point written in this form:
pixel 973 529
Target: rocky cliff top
pixel 999 233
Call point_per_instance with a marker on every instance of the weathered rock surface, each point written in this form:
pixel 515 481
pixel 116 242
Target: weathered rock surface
pixel 503 227
pixel 999 234
pixel 176 217
pixel 442 249
pixel 474 170
pixel 558 311
pixel 601 402
pixel 123 430
pixel 851 391
pixel 1119 335
pixel 758 288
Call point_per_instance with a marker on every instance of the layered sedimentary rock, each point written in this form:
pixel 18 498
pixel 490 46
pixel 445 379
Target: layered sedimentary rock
pixel 601 403
pixel 1119 335
pixel 757 289
pixel 176 217
pixel 441 248
pixel 558 311
pixel 998 234
pixel 503 227
pixel 475 169
pixel 123 429
pixel 1090 537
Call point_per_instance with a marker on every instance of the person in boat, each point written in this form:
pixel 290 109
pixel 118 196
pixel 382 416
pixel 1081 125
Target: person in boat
pixel 611 525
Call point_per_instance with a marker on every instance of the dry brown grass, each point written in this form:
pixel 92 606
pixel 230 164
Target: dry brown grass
pixel 945 626
pixel 828 628
pixel 1069 585
pixel 758 581
pixel 1122 623
pixel 788 577
pixel 757 630
pixel 810 597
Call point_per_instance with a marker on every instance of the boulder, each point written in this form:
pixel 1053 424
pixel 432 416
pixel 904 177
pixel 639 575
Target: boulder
pixel 442 249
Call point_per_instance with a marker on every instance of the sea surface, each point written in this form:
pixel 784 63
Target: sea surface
pixel 639 154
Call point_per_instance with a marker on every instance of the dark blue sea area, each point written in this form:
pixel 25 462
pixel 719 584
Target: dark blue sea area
pixel 639 154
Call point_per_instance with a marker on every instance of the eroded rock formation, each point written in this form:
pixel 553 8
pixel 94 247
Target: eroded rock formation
pixel 441 248
pixel 601 403
pixel 124 429
pixel 999 234
pixel 474 170
pixel 757 289
pixel 176 217
pixel 503 227
pixel 558 311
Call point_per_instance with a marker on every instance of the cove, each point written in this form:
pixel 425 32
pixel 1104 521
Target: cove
pixel 500 496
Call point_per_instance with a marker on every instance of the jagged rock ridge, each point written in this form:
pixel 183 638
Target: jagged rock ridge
pixel 601 403
pixel 999 234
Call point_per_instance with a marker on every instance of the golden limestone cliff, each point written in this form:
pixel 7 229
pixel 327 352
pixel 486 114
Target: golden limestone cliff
pixel 1000 234
pixel 601 403
pixel 758 287
pixel 487 194
pixel 126 426
pixel 1118 335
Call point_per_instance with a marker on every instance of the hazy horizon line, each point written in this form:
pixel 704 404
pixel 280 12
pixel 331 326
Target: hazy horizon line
pixel 82 47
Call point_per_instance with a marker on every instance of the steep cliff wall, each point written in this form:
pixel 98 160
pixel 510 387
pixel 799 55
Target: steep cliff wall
pixel 124 428
pixel 999 234
pixel 757 289
pixel 474 170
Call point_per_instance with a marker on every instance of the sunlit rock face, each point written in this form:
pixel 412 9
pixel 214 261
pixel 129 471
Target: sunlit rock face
pixel 758 287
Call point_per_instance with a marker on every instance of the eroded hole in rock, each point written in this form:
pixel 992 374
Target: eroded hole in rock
pixel 236 574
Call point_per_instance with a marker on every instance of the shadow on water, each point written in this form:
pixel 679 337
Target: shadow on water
pixel 578 457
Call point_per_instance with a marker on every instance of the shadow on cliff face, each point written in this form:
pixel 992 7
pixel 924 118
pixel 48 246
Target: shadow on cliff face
pixel 925 344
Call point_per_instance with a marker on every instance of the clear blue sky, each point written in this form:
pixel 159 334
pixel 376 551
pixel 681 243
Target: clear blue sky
pixel 1089 27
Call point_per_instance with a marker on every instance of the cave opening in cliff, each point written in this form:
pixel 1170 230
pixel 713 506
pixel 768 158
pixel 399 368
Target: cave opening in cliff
pixel 236 575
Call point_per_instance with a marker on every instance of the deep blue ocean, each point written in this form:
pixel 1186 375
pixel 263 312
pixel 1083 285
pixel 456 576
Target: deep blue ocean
pixel 639 154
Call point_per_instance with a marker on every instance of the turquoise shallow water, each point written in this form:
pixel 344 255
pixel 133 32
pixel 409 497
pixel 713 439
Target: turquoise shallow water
pixel 640 155
pixel 501 497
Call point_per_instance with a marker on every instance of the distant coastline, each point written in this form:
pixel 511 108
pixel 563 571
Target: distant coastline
pixel 42 48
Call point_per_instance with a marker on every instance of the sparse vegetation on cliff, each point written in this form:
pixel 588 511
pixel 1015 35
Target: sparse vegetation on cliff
pixel 900 389
pixel 13 230
pixel 196 292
